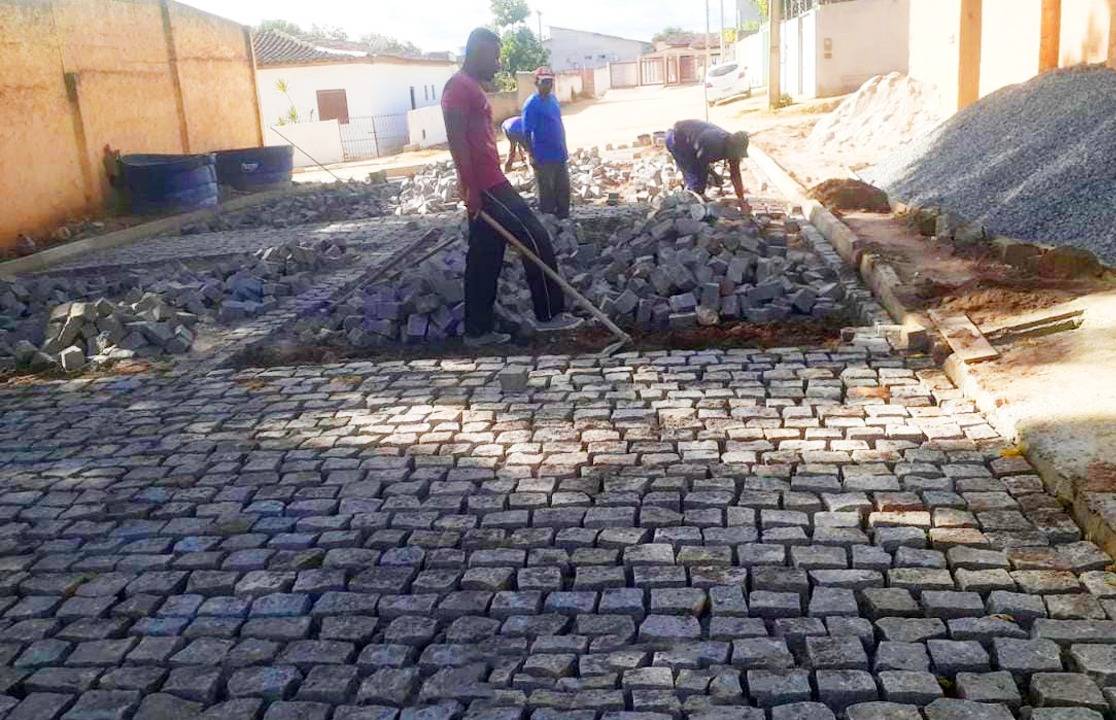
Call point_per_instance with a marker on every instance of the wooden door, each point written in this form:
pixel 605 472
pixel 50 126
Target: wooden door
pixel 333 105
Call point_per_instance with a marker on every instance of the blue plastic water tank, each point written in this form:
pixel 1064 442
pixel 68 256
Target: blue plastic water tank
pixel 170 183
pixel 255 168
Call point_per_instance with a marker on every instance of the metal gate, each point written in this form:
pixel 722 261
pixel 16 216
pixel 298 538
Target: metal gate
pixel 374 136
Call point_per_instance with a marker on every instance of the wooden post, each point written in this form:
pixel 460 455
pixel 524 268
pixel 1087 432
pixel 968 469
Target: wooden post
pixel 1050 37
pixel 775 71
pixel 172 60
pixel 969 41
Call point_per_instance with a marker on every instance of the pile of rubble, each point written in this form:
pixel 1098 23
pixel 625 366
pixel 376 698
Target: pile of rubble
pixel 332 202
pixel 685 265
pixel 45 321
pixel 643 179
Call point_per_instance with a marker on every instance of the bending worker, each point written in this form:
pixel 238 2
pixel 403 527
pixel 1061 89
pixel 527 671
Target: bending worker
pixel 472 142
pixel 546 140
pixel 513 130
pixel 697 145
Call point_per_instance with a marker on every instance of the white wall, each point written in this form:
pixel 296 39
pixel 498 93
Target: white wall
pixel 602 81
pixel 426 126
pixel 866 38
pixel 371 88
pixel 754 53
pixel 624 74
pixel 572 49
pixel 320 141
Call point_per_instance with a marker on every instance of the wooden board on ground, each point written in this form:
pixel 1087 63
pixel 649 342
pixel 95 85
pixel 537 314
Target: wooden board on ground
pixel 964 337
pixel 1034 320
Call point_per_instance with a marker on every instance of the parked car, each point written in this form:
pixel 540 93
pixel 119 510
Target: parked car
pixel 726 81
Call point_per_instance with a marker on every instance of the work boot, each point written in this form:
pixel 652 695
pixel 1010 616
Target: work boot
pixel 558 323
pixel 489 338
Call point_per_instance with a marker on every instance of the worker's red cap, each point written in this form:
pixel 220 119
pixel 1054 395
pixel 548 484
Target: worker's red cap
pixel 544 73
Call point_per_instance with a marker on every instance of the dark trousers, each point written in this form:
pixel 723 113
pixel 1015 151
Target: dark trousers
pixel 553 180
pixel 486 255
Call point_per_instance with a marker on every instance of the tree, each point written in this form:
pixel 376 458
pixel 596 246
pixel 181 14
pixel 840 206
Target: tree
pixel 378 43
pixel 316 32
pixel 327 32
pixel 764 8
pixel 520 51
pixel 673 34
pixel 285 26
pixel 509 12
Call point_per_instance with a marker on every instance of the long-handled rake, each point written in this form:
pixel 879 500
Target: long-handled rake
pixel 622 338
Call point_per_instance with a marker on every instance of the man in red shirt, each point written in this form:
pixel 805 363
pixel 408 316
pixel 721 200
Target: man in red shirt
pixel 472 142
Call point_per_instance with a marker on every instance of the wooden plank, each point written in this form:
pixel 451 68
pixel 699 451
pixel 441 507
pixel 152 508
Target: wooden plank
pixel 1033 320
pixel 964 337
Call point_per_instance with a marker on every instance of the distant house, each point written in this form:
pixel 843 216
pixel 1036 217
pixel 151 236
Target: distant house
pixel 678 63
pixel 368 95
pixel 583 50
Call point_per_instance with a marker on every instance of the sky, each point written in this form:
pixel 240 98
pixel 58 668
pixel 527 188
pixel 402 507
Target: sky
pixel 436 25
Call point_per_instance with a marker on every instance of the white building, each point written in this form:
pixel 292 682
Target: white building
pixel 366 96
pixel 832 48
pixel 580 49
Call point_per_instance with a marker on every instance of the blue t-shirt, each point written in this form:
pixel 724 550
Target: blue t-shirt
pixel 542 124
pixel 513 126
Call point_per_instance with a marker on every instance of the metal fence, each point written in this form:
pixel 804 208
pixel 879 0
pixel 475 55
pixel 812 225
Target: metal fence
pixel 374 136
pixel 794 8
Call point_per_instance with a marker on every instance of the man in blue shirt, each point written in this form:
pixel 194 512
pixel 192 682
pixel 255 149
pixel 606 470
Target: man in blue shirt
pixel 546 141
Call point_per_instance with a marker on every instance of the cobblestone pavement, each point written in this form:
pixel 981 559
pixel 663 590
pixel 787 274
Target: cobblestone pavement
pixel 716 535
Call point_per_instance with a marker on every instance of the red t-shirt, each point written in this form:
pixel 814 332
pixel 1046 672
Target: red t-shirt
pixel 465 95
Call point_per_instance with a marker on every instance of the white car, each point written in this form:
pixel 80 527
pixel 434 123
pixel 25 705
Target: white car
pixel 726 81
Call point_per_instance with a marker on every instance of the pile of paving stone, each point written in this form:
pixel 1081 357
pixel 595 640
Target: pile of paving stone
pixel 83 332
pixel 682 267
pixel 332 202
pixel 592 178
pixel 44 324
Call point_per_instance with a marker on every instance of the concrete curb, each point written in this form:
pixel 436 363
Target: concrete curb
pixel 879 276
pixel 883 281
pixel 53 256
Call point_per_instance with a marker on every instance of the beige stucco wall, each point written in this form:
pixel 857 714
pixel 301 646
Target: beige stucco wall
pixel 934 49
pixel 1011 31
pixel 1011 41
pixel 1086 35
pixel 122 93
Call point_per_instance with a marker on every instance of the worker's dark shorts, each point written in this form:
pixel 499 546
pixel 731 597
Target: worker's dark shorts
pixel 516 138
pixel 693 175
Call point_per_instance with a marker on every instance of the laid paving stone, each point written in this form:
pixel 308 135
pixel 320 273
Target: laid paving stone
pixel 955 709
pixel 882 711
pixel 802 711
pixel 994 687
pixel 1066 690
pixel 909 686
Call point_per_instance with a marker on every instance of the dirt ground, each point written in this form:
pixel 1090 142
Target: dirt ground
pixel 943 276
pixel 813 333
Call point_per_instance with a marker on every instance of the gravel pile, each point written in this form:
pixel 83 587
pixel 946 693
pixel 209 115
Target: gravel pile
pixel 1035 161
pixel 333 202
pixel 681 267
pixel 592 179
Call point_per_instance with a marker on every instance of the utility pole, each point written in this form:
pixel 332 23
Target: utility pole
pixel 722 31
pixel 774 72
pixel 704 80
pixel 539 13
